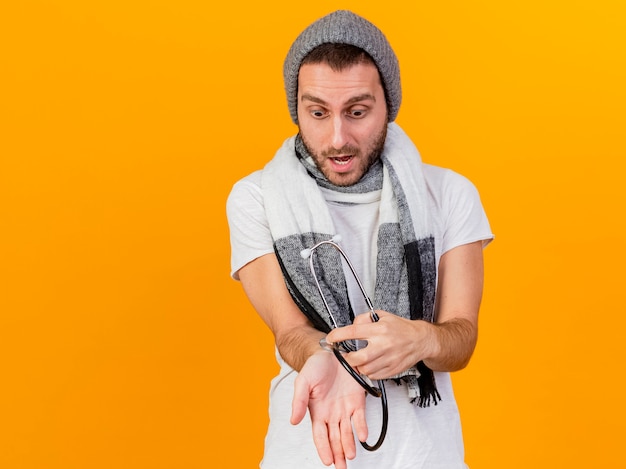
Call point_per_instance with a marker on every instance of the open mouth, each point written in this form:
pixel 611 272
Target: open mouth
pixel 342 160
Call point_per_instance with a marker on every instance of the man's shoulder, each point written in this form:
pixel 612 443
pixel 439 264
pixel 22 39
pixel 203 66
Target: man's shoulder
pixel 245 191
pixel 447 188
pixel 438 176
pixel 254 178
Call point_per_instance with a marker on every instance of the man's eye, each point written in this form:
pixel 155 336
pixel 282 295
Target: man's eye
pixel 357 113
pixel 317 113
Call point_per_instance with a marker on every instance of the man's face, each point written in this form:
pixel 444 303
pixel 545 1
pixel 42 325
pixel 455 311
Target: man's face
pixel 342 118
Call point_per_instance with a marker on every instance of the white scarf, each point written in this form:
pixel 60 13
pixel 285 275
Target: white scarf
pixel 298 218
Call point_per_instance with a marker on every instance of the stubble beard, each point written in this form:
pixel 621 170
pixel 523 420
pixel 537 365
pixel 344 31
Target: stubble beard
pixel 374 151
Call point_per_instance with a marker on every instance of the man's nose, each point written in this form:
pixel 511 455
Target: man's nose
pixel 339 136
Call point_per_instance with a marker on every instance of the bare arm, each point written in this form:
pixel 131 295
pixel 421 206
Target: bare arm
pixel 334 400
pixel 459 295
pixel 295 336
pixel 395 344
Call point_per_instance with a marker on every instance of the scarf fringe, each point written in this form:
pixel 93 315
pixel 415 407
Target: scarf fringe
pixel 428 393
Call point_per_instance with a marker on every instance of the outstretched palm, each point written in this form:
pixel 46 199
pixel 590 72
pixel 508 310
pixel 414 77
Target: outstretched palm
pixel 335 402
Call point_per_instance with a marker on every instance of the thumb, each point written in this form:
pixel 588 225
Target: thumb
pixel 300 402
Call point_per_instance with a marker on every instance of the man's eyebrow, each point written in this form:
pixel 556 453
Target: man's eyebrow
pixel 361 97
pixel 310 97
pixel 354 99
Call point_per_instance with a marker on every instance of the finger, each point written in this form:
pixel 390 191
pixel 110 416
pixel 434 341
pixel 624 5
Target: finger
pixel 362 319
pixel 300 402
pixel 336 445
pixel 354 331
pixel 347 439
pixel 381 372
pixel 368 316
pixel 322 444
pixel 369 364
pixel 360 424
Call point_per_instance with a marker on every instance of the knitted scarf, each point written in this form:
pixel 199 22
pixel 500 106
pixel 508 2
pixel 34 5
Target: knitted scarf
pixel 298 218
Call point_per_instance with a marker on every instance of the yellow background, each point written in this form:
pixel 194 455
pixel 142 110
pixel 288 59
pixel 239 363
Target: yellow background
pixel 123 125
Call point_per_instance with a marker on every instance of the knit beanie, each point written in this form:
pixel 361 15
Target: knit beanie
pixel 344 27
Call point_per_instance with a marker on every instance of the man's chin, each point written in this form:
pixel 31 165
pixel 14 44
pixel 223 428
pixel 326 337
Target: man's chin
pixel 342 180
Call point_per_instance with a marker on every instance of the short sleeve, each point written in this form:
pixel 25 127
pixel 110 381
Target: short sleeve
pixel 461 213
pixel 250 236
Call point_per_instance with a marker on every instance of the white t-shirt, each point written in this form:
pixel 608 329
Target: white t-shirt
pixel 416 437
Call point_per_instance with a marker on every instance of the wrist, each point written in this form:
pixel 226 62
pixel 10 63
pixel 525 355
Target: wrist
pixel 298 345
pixel 430 346
pixel 452 345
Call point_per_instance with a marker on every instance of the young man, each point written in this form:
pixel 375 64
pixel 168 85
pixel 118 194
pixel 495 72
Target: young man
pixel 414 234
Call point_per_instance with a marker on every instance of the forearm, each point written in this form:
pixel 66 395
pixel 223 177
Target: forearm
pixel 453 343
pixel 396 344
pixel 294 335
pixel 297 344
pixel 459 295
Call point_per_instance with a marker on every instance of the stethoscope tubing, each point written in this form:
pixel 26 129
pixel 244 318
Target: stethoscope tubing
pixel 380 391
pixel 376 392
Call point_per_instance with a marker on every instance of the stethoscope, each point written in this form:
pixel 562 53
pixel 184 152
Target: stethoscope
pixel 350 346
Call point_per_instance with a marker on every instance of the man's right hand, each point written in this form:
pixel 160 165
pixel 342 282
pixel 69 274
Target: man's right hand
pixel 335 402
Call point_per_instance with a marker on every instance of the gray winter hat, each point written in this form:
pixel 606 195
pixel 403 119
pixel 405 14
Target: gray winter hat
pixel 344 27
